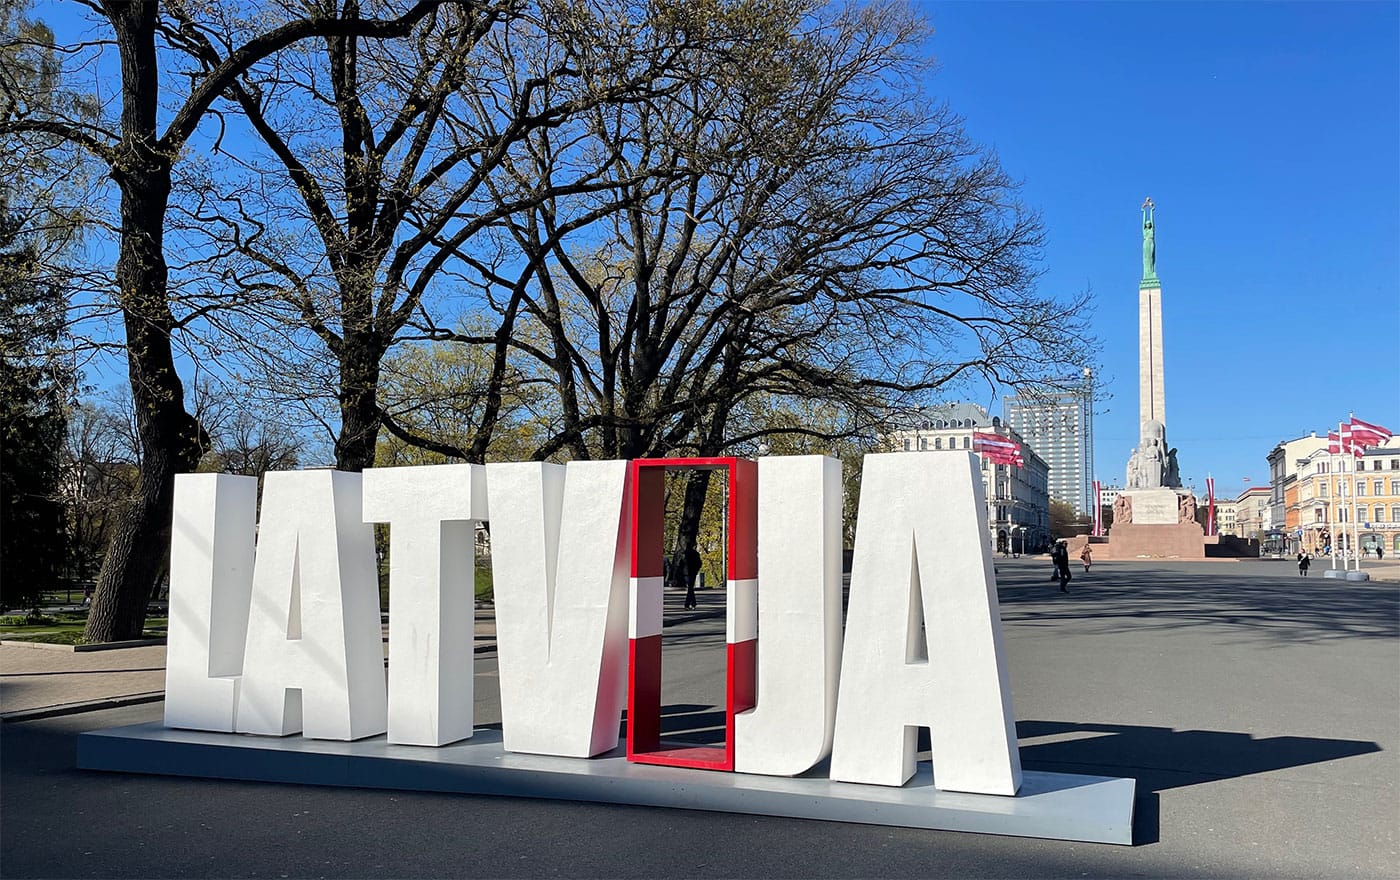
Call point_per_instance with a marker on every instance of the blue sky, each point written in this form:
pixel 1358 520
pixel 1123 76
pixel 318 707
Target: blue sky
pixel 1268 135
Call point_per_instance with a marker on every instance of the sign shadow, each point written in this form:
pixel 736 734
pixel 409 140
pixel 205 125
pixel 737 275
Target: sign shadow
pixel 1161 758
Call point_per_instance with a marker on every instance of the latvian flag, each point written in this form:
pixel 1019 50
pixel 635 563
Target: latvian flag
pixel 1335 445
pixel 997 449
pixel 1366 434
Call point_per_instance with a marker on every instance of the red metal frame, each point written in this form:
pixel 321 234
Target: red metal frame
pixel 644 744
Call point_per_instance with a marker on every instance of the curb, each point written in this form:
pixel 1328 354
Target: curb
pixel 82 649
pixel 81 707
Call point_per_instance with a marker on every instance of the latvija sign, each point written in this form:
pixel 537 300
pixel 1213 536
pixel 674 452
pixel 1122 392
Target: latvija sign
pixel 275 622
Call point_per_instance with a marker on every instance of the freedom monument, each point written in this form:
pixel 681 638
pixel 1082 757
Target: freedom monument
pixel 1154 516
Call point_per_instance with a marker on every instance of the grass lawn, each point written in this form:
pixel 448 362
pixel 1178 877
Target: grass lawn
pixel 64 628
pixel 483 584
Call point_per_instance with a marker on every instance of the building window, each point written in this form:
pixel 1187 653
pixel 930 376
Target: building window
pixel 937 442
pixel 967 443
pixel 1360 487
pixel 1378 515
pixel 1317 515
pixel 906 444
pixel 1395 513
pixel 1378 488
pixel 1323 492
pixel 1395 464
pixel 1395 487
pixel 923 443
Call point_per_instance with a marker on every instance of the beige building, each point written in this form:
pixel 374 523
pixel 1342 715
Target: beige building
pixel 1018 500
pixel 1251 515
pixel 1285 462
pixel 1225 516
pixel 1336 491
pixel 1377 494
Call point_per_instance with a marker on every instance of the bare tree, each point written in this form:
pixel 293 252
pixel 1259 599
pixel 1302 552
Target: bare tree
pixel 390 150
pixel 98 483
pixel 139 146
pixel 822 231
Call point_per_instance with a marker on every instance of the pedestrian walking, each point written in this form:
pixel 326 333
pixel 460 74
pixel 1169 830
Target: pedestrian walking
pixel 1060 556
pixel 1086 556
pixel 1380 552
pixel 1304 560
pixel 692 570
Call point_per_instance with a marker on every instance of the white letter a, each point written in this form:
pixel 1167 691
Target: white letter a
pixel 921 556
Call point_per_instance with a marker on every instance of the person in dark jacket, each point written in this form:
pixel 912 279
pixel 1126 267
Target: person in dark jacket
pixel 1060 556
pixel 692 570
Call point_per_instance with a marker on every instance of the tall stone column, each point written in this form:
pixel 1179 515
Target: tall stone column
pixel 1152 398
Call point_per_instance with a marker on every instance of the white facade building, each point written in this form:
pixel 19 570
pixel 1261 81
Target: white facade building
pixel 1018 501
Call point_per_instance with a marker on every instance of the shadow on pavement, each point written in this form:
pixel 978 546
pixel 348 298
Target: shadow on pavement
pixel 1161 758
pixel 1128 596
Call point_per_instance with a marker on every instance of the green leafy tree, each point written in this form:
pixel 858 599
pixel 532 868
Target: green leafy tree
pixel 35 379
pixel 1064 521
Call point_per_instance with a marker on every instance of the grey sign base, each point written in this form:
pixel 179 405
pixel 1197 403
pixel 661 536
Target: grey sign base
pixel 1051 805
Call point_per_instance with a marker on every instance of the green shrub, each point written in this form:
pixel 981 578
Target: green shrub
pixel 484 589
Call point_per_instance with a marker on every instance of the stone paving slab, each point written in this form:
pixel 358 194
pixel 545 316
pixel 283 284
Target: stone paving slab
pixel 31 679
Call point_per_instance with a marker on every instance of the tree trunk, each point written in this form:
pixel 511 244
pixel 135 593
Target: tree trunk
pixel 696 486
pixel 360 416
pixel 170 437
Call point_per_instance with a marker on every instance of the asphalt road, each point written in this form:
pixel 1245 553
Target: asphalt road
pixel 1259 712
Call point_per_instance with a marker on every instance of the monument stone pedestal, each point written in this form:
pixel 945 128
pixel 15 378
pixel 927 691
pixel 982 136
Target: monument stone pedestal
pixel 1150 523
pixel 1175 541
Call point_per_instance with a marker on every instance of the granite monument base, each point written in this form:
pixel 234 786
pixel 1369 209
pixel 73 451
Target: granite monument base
pixel 1133 541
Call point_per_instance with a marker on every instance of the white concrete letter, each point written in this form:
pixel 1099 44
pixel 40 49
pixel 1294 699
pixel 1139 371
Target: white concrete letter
pixel 314 659
pixel 560 553
pixel 799 617
pixel 430 512
pixel 211 581
pixel 921 556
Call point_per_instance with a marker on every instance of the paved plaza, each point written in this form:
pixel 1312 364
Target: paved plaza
pixel 1259 712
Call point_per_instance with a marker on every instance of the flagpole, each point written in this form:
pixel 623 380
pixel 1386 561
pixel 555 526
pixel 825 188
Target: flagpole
pixel 1336 504
pixel 1355 526
pixel 1356 463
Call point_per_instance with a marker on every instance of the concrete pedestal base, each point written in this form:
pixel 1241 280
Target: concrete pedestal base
pixel 1060 806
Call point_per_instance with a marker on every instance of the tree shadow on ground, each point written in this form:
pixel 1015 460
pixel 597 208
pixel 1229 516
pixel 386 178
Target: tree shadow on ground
pixel 1123 596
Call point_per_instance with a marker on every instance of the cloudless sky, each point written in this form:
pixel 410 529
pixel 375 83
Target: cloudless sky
pixel 1268 135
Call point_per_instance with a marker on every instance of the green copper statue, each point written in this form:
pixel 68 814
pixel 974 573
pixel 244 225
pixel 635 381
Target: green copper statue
pixel 1149 242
